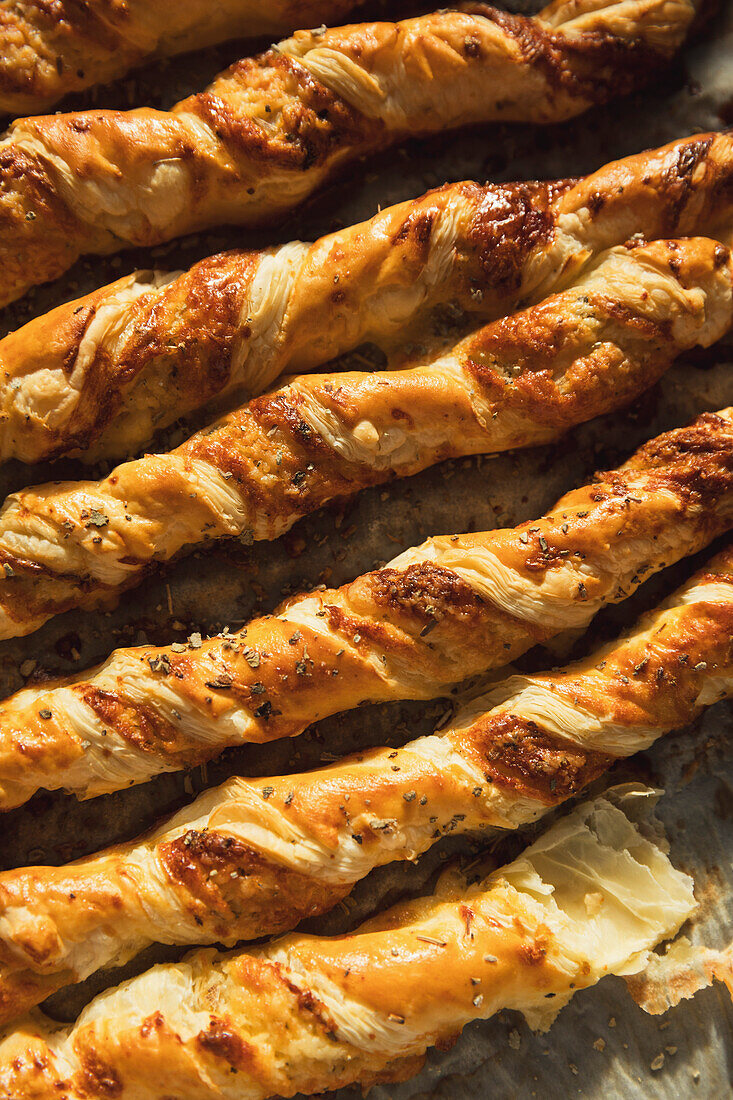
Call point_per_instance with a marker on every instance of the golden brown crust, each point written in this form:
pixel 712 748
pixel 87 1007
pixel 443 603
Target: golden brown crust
pixel 437 614
pixel 271 129
pixel 49 48
pixel 519 756
pixel 104 372
pixel 517 382
pixel 219 872
pixel 306 1014
pixel 71 377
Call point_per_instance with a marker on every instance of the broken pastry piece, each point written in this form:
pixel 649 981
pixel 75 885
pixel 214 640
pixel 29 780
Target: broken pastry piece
pixel 309 1014
pixel 256 856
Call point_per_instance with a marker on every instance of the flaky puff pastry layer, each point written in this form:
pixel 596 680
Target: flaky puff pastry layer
pixel 307 1014
pixel 254 857
pixel 518 382
pixel 440 612
pixel 271 129
pixel 48 51
pixel 100 374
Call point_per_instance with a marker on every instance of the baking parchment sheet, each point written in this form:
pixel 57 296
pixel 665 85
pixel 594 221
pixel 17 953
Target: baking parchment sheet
pixel 602 1044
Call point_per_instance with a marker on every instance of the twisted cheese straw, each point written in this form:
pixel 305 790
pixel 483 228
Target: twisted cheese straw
pixel 268 131
pixel 105 371
pixel 305 1014
pixel 440 612
pixel 254 857
pixel 48 52
pixel 102 373
pixel 518 382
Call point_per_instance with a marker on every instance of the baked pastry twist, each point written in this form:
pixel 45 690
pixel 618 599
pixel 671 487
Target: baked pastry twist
pixel 306 1014
pixel 518 382
pixel 48 51
pixel 440 612
pixel 104 372
pixel 254 857
pixel 268 131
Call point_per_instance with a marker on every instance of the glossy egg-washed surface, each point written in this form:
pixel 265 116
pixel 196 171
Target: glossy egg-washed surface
pixel 273 128
pixel 314 1013
pixel 254 858
pixel 456 606
pixel 49 48
pixel 216 588
pixel 519 381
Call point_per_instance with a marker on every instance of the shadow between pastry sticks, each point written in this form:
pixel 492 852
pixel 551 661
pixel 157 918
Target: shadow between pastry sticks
pixel 518 382
pixel 306 1014
pixel 453 607
pixel 45 55
pixel 101 374
pixel 273 128
pixel 254 857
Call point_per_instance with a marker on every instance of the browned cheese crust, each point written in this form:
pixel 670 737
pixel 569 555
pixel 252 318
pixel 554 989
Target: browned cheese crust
pixel 102 373
pixel 517 382
pixel 254 857
pixel 49 48
pixel 451 608
pixel 307 1014
pixel 272 128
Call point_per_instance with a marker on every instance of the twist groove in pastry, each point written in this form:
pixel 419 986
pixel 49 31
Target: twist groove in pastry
pixel 254 857
pixel 268 131
pixel 138 354
pixel 48 51
pixel 102 373
pixel 518 382
pixel 307 1013
pixel 453 607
